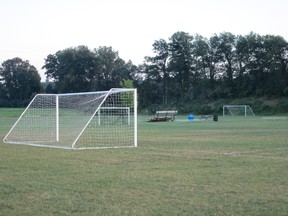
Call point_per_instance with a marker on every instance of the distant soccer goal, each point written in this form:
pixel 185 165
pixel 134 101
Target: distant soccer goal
pixel 237 110
pixel 90 120
pixel 121 112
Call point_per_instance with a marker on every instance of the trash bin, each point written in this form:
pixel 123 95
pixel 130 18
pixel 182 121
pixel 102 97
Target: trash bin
pixel 191 117
pixel 215 117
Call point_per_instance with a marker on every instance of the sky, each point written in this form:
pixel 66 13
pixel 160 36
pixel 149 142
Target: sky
pixel 33 29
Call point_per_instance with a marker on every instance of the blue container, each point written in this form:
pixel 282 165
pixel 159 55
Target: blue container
pixel 191 117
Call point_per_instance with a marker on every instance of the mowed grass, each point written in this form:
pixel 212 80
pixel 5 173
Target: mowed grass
pixel 236 166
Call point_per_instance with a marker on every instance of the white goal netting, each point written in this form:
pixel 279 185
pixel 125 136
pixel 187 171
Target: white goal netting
pixel 237 110
pixel 105 119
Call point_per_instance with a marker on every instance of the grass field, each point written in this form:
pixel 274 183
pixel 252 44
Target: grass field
pixel 236 166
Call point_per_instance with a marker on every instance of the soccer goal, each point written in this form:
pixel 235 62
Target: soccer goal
pixel 90 120
pixel 237 110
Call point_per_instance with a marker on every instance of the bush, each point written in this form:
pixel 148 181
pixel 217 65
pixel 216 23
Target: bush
pixel 282 106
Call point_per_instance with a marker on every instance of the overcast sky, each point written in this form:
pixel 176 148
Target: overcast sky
pixel 33 29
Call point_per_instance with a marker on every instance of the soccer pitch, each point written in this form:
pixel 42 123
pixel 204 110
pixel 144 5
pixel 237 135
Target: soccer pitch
pixel 236 166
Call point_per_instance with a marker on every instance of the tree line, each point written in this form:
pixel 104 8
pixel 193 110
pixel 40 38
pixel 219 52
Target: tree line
pixel 183 69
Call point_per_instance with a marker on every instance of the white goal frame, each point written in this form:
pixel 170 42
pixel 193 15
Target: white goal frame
pixel 74 120
pixel 245 109
pixel 122 109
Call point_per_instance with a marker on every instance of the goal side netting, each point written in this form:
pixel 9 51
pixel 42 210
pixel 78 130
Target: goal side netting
pixel 237 110
pixel 90 120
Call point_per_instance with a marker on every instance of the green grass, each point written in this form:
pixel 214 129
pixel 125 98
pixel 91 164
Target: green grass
pixel 237 166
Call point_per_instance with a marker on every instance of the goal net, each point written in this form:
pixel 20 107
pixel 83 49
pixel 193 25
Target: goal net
pixel 103 119
pixel 237 110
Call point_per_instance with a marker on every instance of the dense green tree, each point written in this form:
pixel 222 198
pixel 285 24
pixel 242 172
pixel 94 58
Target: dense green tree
pixel 256 64
pixel 150 85
pixel 183 69
pixel 127 83
pixel 223 66
pixel 19 80
pixel 206 60
pixel 71 69
pixel 242 77
pixel 242 54
pixel 111 69
pixel 181 62
pixel 202 58
pixel 80 69
pixel 158 68
pixel 276 64
pixel 225 50
pixel 129 72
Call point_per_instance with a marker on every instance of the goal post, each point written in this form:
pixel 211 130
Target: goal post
pixel 237 110
pixel 88 120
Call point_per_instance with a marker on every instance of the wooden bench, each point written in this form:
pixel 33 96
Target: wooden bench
pixel 164 116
